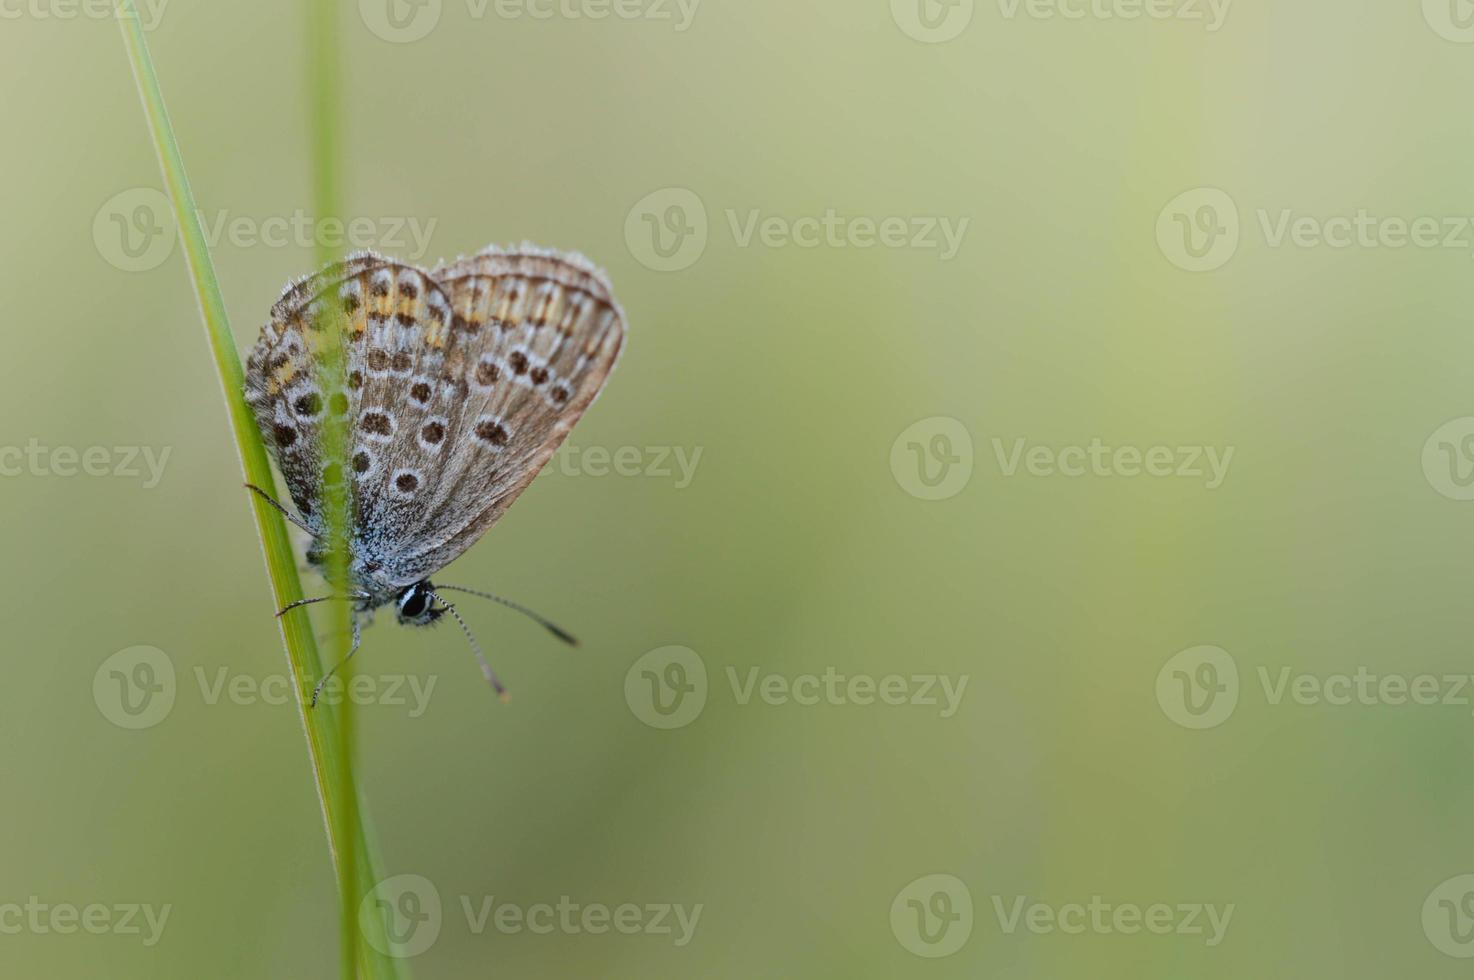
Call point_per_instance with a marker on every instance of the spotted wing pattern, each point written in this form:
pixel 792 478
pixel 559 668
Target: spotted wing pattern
pixel 461 384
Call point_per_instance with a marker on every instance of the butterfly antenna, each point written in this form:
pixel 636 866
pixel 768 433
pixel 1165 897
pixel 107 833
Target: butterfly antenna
pixel 546 624
pixel 486 670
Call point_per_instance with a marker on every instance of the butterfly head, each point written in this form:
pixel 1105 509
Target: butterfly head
pixel 417 605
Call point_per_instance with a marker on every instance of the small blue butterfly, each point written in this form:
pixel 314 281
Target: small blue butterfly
pixel 462 381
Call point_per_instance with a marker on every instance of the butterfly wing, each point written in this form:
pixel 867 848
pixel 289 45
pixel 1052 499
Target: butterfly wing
pixel 283 386
pixel 462 382
pixel 535 335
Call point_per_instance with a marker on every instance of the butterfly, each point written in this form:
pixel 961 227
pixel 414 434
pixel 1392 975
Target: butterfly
pixel 461 383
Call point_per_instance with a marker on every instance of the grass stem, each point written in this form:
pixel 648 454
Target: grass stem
pixel 354 857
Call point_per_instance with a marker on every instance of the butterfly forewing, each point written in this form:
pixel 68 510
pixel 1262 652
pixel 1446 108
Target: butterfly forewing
pixel 462 382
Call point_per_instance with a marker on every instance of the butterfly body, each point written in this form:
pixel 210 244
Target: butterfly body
pixel 460 383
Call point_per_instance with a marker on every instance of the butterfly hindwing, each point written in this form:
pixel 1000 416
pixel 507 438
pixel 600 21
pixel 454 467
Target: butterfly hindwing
pixel 283 386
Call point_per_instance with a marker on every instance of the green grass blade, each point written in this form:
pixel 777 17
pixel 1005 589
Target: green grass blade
pixel 323 97
pixel 348 841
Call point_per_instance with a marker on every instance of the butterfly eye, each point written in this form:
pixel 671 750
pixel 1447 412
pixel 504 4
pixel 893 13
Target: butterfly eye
pixel 414 604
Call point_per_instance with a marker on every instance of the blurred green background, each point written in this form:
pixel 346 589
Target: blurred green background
pixel 834 391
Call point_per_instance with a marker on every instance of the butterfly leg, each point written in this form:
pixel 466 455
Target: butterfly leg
pixel 322 598
pixel 357 640
pixel 280 509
